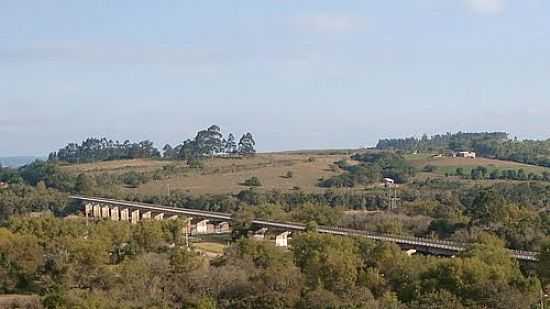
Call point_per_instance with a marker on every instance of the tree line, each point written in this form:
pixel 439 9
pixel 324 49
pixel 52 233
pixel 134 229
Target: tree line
pixel 496 145
pixel 459 141
pixel 208 142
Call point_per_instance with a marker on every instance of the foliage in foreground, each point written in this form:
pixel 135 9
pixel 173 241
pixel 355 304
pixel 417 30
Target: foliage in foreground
pixel 117 265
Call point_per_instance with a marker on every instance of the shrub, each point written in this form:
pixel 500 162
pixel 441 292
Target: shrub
pixel 289 174
pixel 253 182
pixel 430 168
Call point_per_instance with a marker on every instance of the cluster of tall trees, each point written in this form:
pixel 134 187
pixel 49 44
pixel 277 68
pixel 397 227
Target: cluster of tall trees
pixel 206 143
pixel 103 149
pixel 210 142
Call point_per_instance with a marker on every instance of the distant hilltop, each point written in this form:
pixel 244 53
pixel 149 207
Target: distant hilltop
pixel 18 161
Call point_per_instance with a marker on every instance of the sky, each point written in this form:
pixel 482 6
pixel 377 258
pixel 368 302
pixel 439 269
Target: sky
pixel 297 74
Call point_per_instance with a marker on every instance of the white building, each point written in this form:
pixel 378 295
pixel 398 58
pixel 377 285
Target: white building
pixel 466 154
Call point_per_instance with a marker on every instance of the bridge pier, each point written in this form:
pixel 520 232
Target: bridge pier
pixel 96 211
pixel 134 216
pixel 223 227
pixel 105 212
pixel 202 227
pixel 146 215
pixel 88 209
pixel 125 214
pixel 115 216
pixel 282 240
pixel 260 234
pixel 159 216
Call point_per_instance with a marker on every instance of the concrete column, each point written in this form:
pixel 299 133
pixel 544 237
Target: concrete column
pixel 260 234
pixel 105 212
pixel 173 217
pixel 96 211
pixel 159 216
pixel 88 209
pixel 134 216
pixel 125 214
pixel 222 227
pixel 202 227
pixel 282 239
pixel 115 216
pixel 146 215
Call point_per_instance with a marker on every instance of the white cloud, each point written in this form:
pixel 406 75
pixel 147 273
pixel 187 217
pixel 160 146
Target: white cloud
pixel 486 6
pixel 328 23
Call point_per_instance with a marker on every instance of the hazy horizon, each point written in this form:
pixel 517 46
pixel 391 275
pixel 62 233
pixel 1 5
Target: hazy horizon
pixel 308 75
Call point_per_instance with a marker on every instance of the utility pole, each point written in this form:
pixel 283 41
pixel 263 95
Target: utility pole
pixel 391 193
pixel 187 227
pixel 541 299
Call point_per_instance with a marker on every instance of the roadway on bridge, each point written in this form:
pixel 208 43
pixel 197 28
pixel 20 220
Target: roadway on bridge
pixel 445 247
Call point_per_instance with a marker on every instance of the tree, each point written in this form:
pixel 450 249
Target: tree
pixel 241 222
pixel 168 152
pixel 230 145
pixel 84 184
pixel 247 144
pixel 329 262
pixel 543 266
pixel 188 150
pixel 209 141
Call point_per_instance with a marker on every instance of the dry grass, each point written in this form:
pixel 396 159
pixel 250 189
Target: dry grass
pixel 212 247
pixel 446 163
pixel 20 301
pixel 118 166
pixel 227 175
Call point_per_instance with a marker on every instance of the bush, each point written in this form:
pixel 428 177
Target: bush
pixel 253 182
pixel 289 174
pixel 430 168
pixel 134 179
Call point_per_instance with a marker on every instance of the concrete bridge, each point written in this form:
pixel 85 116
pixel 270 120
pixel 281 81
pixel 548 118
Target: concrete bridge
pixel 134 212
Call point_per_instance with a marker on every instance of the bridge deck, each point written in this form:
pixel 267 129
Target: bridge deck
pixel 445 246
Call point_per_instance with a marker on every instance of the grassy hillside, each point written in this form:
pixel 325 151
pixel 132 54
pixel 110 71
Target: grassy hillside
pixel 227 175
pixel 224 175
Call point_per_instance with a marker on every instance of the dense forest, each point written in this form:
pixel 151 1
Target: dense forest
pixel 492 145
pixel 207 142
